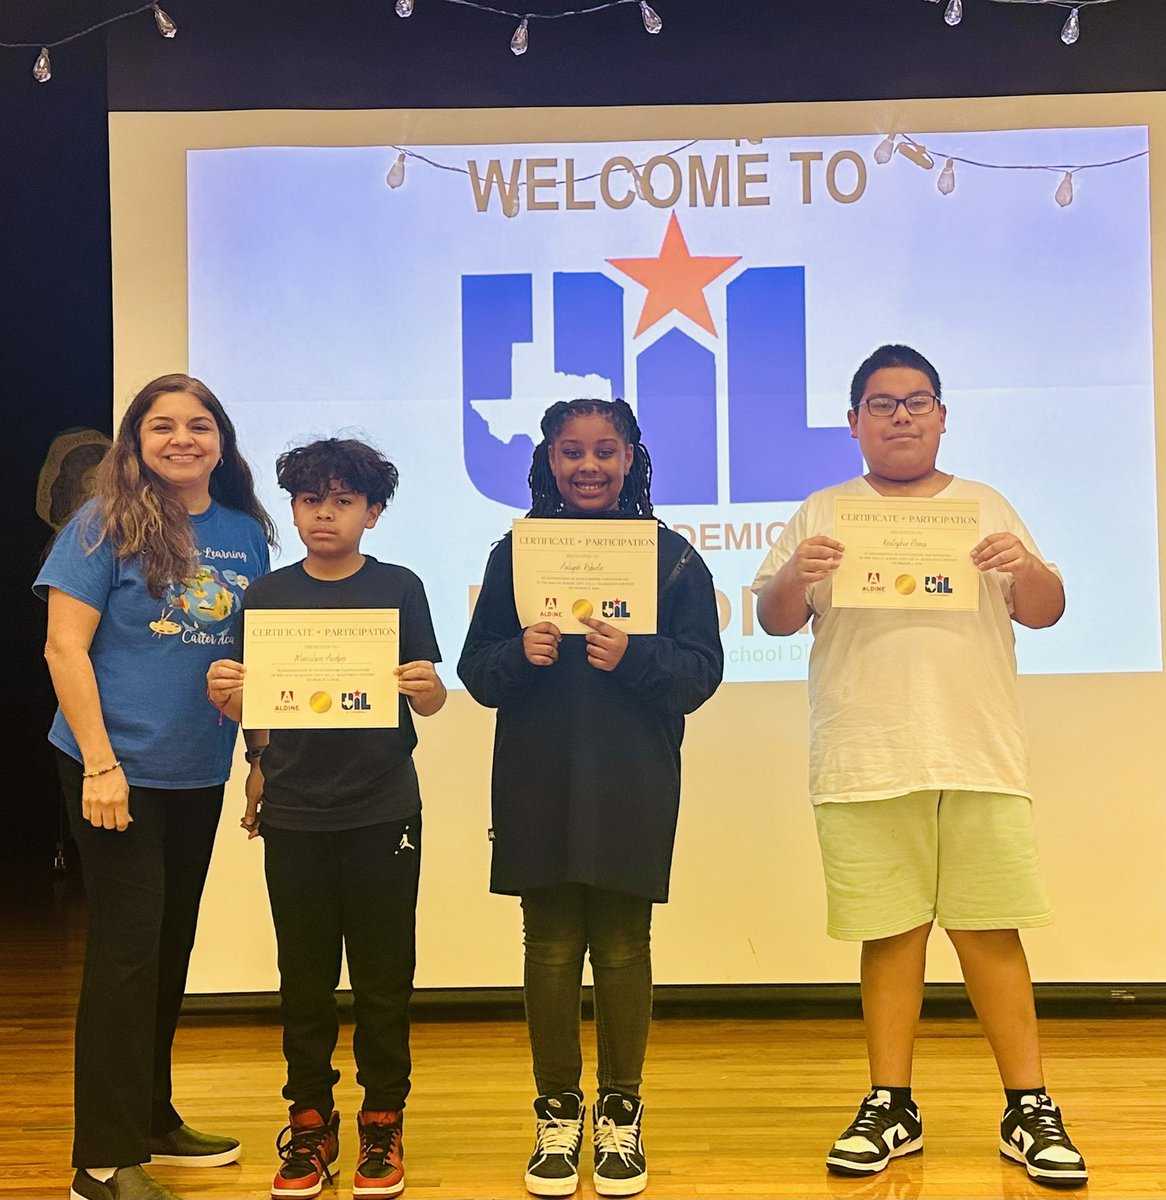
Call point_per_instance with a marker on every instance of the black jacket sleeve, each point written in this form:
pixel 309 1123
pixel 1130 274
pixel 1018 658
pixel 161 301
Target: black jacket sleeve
pixel 493 664
pixel 680 667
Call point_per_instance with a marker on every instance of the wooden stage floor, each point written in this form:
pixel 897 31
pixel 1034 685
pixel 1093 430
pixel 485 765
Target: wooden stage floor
pixel 735 1108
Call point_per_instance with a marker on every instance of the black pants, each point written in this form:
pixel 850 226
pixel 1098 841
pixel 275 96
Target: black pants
pixel 561 924
pixel 142 892
pixel 355 888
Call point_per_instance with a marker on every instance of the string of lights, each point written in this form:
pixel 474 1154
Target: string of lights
pixel 953 14
pixel 520 41
pixel 510 203
pixel 917 153
pixel 902 143
pixel 42 70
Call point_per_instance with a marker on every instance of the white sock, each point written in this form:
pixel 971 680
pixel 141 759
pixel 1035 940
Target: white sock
pixel 101 1174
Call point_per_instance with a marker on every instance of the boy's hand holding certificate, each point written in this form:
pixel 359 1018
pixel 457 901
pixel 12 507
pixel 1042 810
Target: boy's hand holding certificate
pixel 567 570
pixel 905 553
pixel 321 668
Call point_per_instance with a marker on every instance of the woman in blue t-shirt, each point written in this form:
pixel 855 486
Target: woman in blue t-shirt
pixel 143 588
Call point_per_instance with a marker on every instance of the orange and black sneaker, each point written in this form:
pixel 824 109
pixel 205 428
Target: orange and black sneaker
pixel 308 1146
pixel 380 1167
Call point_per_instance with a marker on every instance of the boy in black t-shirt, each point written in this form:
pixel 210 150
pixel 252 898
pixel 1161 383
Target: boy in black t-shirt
pixel 341 822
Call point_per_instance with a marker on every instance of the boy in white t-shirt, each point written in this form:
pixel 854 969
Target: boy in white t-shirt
pixel 919 775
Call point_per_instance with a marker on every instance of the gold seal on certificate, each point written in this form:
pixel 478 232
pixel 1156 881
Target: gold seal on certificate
pixel 566 570
pixel 321 668
pixel 906 553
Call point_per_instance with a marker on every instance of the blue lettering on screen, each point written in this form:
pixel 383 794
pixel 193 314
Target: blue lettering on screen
pixel 589 326
pixel 496 314
pixel 677 411
pixel 773 454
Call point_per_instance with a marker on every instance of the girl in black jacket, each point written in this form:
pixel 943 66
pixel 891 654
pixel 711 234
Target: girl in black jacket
pixel 586 788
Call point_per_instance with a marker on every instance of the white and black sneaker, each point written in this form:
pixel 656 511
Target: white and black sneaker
pixel 1032 1134
pixel 553 1169
pixel 620 1166
pixel 879 1133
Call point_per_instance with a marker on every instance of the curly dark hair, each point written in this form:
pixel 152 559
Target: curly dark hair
pixel 360 467
pixel 636 494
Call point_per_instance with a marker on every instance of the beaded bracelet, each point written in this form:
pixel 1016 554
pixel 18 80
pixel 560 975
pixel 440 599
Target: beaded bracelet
pixel 104 770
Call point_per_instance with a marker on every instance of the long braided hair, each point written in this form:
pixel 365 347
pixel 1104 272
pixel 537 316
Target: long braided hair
pixel 636 494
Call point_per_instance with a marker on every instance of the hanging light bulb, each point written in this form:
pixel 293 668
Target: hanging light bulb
pixel 520 41
pixel 643 185
pixel 396 175
pixel 946 182
pixel 1064 196
pixel 652 22
pixel 510 203
pixel 954 13
pixel 917 154
pixel 166 26
pixel 1071 30
pixel 885 149
pixel 404 8
pixel 42 70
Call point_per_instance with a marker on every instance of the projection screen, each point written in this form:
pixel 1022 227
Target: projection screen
pixel 267 253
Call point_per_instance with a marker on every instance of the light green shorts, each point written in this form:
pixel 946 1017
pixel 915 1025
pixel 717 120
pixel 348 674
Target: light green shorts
pixel 964 859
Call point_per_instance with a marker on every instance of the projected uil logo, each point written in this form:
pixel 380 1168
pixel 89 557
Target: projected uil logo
pixel 773 455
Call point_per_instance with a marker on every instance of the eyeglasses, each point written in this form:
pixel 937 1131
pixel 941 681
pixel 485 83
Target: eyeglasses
pixel 918 405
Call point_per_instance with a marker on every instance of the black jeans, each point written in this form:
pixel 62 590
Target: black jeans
pixel 560 924
pixel 142 892
pixel 356 889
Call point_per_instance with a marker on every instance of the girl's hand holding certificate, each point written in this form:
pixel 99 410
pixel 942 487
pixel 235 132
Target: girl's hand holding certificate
pixel 605 644
pixel 540 643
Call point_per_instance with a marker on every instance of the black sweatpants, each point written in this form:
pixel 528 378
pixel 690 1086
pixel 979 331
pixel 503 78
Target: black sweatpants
pixel 355 888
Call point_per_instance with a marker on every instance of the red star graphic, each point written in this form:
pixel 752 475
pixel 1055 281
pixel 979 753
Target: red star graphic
pixel 675 280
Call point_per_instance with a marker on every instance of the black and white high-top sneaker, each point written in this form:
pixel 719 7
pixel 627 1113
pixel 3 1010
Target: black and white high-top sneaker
pixel 620 1166
pixel 879 1133
pixel 1032 1134
pixel 553 1169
